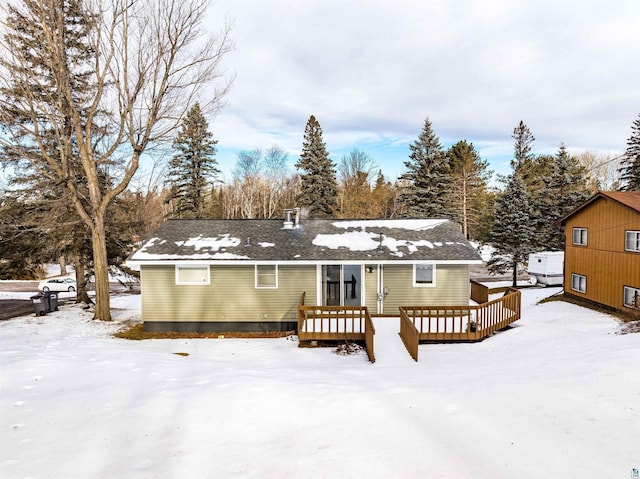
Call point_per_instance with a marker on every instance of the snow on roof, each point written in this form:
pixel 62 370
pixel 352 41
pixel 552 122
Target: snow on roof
pixel 368 241
pixel 353 240
pixel 208 248
pixel 364 240
pixel 314 240
pixel 210 243
pixel 410 224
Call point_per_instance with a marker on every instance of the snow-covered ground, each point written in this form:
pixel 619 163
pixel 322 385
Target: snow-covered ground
pixel 556 396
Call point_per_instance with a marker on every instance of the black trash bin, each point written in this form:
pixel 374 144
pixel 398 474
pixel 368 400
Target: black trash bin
pixel 40 304
pixel 52 299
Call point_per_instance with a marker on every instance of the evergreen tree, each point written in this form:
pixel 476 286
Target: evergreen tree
pixel 565 190
pixel 20 241
pixel 481 232
pixel 137 83
pixel 512 233
pixel 193 167
pixel 470 177
pixel 39 167
pixel 318 190
pixel 522 148
pixel 536 172
pixel 631 167
pixel 428 178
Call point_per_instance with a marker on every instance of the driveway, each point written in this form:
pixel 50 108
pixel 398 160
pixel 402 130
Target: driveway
pixel 10 308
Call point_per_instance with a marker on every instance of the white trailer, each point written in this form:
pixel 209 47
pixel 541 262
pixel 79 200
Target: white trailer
pixel 547 267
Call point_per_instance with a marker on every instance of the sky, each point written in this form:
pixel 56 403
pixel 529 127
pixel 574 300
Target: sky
pixel 372 71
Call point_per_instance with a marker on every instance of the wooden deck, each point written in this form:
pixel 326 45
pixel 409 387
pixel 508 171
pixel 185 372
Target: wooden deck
pixel 336 323
pixel 457 323
pixel 417 323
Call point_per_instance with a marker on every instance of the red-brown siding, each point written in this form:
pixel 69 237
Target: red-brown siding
pixel 603 261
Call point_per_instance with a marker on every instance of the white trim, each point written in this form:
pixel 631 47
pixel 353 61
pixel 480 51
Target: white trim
pixel 433 276
pixel 580 230
pixel 580 277
pixel 624 296
pixel 380 292
pixel 637 241
pixel 205 282
pixel 319 284
pixel 255 269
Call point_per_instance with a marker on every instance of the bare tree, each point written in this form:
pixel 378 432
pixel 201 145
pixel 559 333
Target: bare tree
pixel 276 175
pixel 246 178
pixel 603 170
pixel 148 60
pixel 356 171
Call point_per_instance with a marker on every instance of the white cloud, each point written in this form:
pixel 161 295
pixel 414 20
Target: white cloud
pixel 371 71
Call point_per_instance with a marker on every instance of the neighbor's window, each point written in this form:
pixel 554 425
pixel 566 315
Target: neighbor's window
pixel 266 276
pixel 580 236
pixel 578 283
pixel 192 274
pixel 424 275
pixel 632 297
pixel 632 241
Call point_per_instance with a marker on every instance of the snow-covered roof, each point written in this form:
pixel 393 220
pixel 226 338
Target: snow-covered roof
pixel 407 240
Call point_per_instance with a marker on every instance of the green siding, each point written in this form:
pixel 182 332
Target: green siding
pixel 231 296
pixel 452 287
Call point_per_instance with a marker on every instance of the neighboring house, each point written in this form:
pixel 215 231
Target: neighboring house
pixel 602 251
pixel 249 275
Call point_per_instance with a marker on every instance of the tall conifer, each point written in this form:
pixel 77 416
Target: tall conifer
pixel 513 233
pixel 194 166
pixel 428 178
pixel 470 177
pixel 631 167
pixel 522 147
pixel 71 26
pixel 565 189
pixel 318 189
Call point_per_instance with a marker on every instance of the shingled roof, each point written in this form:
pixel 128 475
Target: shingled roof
pixel 312 240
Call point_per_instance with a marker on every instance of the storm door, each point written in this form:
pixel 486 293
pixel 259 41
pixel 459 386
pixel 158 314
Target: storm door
pixel 341 285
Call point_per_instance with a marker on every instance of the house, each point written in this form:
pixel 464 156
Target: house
pixel 602 251
pixel 250 275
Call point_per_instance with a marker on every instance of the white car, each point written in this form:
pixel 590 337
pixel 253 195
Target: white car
pixel 58 284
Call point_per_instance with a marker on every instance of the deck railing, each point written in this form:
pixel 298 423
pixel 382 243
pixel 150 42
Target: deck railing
pixel 409 334
pixel 336 323
pixel 457 323
pixel 479 292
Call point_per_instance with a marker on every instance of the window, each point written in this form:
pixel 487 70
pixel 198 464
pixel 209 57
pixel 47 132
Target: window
pixel 632 297
pixel 193 274
pixel 578 283
pixel 266 276
pixel 632 241
pixel 424 275
pixel 580 236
